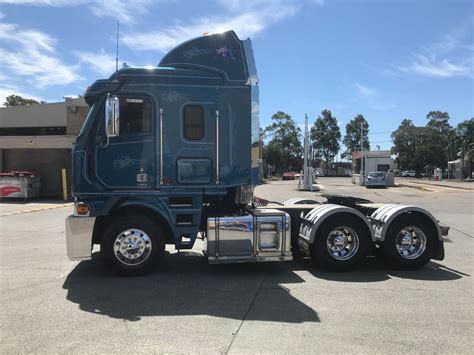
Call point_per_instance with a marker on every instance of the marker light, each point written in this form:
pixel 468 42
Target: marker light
pixel 82 209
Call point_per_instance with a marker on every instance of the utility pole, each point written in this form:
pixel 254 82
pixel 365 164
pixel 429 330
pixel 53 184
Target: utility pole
pixel 117 49
pixel 362 171
pixel 307 178
pixel 305 157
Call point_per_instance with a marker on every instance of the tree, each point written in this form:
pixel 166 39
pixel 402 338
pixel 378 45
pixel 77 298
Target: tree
pixel 465 134
pixel 272 155
pixel 325 135
pixel 285 134
pixel 443 132
pixel 16 100
pixel 464 141
pixel 418 148
pixel 406 138
pixel 352 138
pixel 439 121
pixel 430 153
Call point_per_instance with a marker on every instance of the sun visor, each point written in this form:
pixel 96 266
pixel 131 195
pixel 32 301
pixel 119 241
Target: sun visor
pixel 221 52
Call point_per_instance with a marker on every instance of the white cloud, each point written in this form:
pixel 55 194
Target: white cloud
pixel 125 11
pixel 431 65
pixel 364 90
pixel 246 18
pixel 31 54
pixel 245 5
pixel 372 97
pixel 245 25
pixel 450 57
pixel 382 107
pixel 102 62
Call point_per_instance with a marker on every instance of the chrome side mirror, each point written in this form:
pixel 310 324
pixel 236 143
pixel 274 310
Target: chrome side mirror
pixel 112 116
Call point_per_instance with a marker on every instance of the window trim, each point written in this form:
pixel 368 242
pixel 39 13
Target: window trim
pixel 202 122
pixel 131 95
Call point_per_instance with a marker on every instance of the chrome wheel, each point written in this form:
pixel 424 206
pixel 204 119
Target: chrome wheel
pixel 342 243
pixel 411 242
pixel 132 246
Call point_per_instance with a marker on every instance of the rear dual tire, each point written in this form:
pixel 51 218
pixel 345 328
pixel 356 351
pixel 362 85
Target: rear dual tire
pixel 409 242
pixel 341 243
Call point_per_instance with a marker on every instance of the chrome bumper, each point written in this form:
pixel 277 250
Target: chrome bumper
pixel 79 237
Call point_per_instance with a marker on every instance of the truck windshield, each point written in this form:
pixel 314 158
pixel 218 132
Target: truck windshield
pixel 86 121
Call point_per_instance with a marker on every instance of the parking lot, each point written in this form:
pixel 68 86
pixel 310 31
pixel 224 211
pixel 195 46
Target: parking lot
pixel 51 305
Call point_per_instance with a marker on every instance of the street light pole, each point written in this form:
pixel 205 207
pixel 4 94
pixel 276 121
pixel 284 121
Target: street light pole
pixel 306 142
pixel 447 157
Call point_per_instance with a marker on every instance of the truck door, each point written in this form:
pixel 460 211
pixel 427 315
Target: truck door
pixel 127 160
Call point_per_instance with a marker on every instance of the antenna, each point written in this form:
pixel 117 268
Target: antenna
pixel 117 52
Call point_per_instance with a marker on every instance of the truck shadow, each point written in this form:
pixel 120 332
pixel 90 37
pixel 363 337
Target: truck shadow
pixel 187 285
pixel 375 270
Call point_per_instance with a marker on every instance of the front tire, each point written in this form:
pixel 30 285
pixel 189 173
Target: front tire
pixel 132 245
pixel 341 243
pixel 409 242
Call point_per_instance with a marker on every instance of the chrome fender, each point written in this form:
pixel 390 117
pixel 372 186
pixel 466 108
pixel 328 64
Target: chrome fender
pixel 382 218
pixel 316 217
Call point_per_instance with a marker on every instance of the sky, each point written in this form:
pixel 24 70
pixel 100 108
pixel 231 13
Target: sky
pixel 387 60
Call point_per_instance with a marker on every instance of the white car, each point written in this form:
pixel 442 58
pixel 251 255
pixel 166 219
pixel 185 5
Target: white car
pixel 375 179
pixel 409 173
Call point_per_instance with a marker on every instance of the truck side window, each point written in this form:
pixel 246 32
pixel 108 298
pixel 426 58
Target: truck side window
pixel 193 117
pixel 135 115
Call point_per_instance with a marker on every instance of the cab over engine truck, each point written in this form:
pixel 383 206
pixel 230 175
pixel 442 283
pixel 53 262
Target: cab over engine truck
pixel 172 152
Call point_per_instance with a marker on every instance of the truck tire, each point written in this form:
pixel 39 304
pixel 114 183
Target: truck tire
pixel 132 245
pixel 409 242
pixel 341 243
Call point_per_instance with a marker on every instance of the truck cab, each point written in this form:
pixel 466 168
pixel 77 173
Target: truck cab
pixel 172 141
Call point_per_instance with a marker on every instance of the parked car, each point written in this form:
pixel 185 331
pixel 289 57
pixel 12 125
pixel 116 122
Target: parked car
pixel 375 179
pixel 409 173
pixel 288 175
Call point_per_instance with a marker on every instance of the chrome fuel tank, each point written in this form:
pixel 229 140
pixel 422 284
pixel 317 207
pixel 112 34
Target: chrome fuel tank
pixel 258 235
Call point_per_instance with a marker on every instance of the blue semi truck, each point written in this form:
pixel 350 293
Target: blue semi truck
pixel 172 152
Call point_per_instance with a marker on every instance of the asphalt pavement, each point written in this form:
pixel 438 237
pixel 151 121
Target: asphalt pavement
pixel 51 305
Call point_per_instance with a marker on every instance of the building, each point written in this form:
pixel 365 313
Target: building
pixel 39 138
pixel 379 160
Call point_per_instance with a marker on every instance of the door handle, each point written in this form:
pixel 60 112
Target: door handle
pixel 217 147
pixel 161 146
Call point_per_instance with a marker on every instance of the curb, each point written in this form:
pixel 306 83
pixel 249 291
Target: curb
pixel 443 185
pixel 416 187
pixel 37 209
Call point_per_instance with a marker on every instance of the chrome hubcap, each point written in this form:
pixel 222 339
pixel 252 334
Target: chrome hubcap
pixel 411 242
pixel 132 246
pixel 342 243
